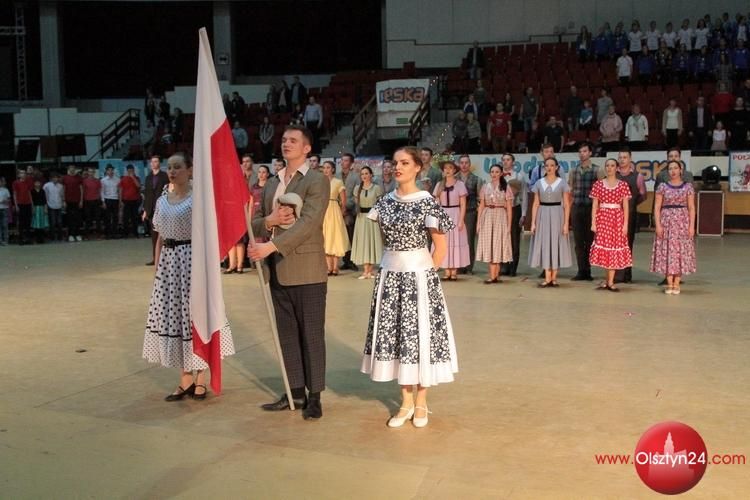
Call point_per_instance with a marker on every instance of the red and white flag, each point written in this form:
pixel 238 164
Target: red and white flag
pixel 220 195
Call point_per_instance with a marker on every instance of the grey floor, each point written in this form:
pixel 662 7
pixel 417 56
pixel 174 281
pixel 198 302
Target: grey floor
pixel 548 378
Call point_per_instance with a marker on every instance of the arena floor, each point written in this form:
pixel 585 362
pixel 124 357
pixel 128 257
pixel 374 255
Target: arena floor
pixel 549 377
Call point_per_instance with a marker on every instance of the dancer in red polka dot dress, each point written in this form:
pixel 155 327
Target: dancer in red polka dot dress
pixel 610 248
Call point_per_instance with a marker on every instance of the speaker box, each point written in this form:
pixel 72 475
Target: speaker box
pixel 27 150
pixel 71 145
pixel 6 136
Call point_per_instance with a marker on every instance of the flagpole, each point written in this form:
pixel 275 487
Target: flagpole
pixel 266 291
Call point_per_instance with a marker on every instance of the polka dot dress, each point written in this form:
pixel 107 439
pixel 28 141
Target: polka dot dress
pixel 169 338
pixel 610 248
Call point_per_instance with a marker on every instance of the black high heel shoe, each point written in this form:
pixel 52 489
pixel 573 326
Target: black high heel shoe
pixel 202 395
pixel 181 394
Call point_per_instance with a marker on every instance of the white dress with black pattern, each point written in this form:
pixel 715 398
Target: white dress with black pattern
pixel 409 322
pixel 169 338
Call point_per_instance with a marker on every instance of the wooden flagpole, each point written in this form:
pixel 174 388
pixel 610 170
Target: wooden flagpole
pixel 266 291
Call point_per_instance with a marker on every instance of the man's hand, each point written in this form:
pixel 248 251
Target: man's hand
pixel 280 216
pixel 143 216
pixel 521 221
pixel 259 251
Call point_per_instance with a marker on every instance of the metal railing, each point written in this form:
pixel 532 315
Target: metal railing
pixel 363 122
pixel 419 119
pixel 128 123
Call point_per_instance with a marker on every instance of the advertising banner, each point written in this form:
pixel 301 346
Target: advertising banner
pixel 739 171
pixel 397 100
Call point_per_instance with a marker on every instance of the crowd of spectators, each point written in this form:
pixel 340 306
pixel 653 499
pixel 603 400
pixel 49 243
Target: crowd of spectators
pixel 713 52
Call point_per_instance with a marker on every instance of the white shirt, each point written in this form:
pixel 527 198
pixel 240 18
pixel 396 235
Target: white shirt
pixel 701 38
pixel 110 188
pixel 652 39
pixel 635 41
pixel 624 66
pixel 686 38
pixel 742 32
pixel 669 38
pixel 4 198
pixel 313 113
pixel 636 128
pixel 240 137
pixel 672 122
pixel 55 195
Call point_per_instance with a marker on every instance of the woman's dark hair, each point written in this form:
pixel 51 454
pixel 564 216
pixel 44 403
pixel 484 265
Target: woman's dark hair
pixel 360 185
pixel 333 165
pixel 268 170
pixel 503 182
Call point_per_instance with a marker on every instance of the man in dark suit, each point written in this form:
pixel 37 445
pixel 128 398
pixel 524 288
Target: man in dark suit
pixel 156 180
pixel 700 125
pixel 475 61
pixel 298 271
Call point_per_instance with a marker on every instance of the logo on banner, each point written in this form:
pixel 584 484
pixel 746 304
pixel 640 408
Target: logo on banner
pixel 400 95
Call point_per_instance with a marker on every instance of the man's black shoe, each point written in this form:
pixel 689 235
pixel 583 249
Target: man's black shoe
pixel 663 282
pixel 582 277
pixel 283 404
pixel 313 409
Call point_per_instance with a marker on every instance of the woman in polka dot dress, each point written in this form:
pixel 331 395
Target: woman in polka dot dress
pixel 168 339
pixel 610 248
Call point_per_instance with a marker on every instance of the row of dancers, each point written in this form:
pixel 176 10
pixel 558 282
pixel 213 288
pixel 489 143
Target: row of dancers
pixel 599 202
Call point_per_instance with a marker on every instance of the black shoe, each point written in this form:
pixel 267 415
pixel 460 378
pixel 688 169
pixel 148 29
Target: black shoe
pixel 181 393
pixel 513 274
pixel 202 395
pixel 582 277
pixel 663 282
pixel 150 263
pixel 283 404
pixel 313 409
pixel 541 275
pixel 353 267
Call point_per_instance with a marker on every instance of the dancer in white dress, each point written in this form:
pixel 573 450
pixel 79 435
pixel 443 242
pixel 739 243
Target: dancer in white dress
pixel 169 338
pixel 409 336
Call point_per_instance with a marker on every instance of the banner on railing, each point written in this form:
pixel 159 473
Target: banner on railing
pixel 397 100
pixel 648 163
pixel 739 171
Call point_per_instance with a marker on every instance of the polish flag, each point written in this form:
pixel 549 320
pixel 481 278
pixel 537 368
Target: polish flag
pixel 220 197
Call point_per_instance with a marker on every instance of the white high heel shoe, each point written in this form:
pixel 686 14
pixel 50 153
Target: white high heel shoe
pixel 399 421
pixel 421 421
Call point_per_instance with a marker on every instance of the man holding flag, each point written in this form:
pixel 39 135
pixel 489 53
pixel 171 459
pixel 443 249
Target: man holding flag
pixel 298 272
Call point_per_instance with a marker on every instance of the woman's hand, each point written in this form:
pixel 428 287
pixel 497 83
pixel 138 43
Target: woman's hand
pixel 691 232
pixel 625 230
pixel 565 230
pixel 659 231
pixel 593 227
pixel 533 228
pixel 461 225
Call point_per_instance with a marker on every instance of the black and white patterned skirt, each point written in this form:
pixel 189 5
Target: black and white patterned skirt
pixel 409 324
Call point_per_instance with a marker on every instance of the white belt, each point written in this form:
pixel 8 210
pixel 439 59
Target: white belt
pixel 406 260
pixel 610 205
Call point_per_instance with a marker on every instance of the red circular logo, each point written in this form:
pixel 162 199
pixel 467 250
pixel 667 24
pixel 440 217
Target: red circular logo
pixel 671 458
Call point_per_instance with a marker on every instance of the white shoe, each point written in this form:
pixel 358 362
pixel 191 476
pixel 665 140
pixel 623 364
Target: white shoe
pixel 78 238
pixel 71 239
pixel 399 421
pixel 668 290
pixel 421 421
pixel 362 277
pixel 675 291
